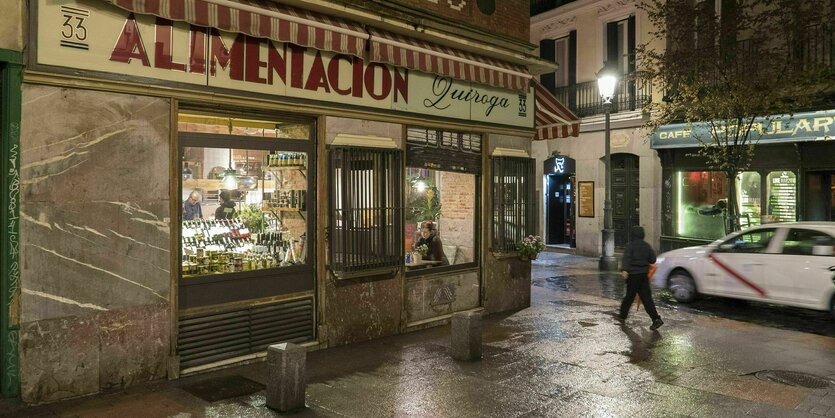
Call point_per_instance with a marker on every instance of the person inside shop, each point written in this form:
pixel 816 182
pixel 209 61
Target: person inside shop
pixel 191 207
pixel 226 210
pixel 716 209
pixel 429 237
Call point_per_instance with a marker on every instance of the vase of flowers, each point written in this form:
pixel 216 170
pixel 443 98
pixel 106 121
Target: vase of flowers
pixel 530 247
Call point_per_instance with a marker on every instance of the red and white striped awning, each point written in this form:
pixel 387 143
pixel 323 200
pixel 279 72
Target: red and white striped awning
pixel 261 19
pixel 552 118
pixel 415 54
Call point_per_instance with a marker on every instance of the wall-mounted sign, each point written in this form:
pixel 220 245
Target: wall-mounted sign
pixel 807 126
pixel 585 199
pixel 91 35
pixel 559 165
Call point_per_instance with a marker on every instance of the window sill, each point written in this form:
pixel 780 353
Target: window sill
pixel 445 270
pixel 375 272
pixel 502 255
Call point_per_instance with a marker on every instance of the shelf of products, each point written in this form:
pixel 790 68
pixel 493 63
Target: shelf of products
pixel 227 246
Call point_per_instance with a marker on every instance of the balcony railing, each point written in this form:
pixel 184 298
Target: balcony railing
pixel 633 93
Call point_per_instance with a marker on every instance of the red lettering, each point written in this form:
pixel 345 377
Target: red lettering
pixel 357 79
pixel 316 78
pixel 276 63
pixel 296 66
pixel 253 63
pixel 163 55
pixel 401 84
pixel 129 41
pixel 232 58
pixel 370 81
pixel 197 50
pixel 333 74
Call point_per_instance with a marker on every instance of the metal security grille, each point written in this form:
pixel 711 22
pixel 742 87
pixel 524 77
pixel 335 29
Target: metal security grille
pixel 513 201
pixel 443 150
pixel 366 230
pixel 209 338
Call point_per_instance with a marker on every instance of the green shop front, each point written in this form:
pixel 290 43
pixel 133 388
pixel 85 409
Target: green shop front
pixel 791 178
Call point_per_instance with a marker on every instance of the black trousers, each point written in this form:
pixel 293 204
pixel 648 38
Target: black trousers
pixel 638 284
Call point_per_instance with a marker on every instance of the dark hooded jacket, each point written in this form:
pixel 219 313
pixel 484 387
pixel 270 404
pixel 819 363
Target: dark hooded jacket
pixel 638 255
pixel 226 210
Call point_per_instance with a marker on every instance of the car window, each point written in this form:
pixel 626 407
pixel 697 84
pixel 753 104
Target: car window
pixel 749 242
pixel 808 242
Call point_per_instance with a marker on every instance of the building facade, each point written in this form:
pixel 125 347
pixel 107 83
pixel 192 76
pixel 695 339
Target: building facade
pixel 199 179
pixel 580 36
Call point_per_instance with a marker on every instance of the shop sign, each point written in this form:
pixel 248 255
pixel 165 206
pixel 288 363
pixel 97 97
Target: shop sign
pixel 807 126
pixel 559 164
pixel 89 35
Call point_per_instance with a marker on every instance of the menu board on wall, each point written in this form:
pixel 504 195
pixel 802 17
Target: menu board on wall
pixel 585 199
pixel 782 197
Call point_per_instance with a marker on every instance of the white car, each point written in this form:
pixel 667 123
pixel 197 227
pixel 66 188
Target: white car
pixel 786 263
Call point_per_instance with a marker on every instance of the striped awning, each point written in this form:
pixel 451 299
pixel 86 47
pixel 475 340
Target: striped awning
pixel 261 19
pixel 552 118
pixel 415 54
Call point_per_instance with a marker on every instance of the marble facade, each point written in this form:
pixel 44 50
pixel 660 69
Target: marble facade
pixel 95 229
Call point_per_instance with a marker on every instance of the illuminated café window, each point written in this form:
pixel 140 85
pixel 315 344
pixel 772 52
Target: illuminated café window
pixel 245 195
pixel 513 202
pixel 366 213
pixel 749 197
pixel 442 194
pixel 781 201
pixel 701 202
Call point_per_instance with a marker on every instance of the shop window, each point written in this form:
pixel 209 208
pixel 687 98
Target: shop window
pixel 365 211
pixel 781 205
pixel 442 199
pixel 701 200
pixel 513 202
pixel 245 198
pixel 808 242
pixel 750 198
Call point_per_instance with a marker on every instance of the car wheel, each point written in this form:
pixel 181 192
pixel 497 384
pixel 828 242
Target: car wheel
pixel 682 286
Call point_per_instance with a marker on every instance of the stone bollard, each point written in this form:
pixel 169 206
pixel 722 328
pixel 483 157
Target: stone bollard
pixel 287 379
pixel 466 336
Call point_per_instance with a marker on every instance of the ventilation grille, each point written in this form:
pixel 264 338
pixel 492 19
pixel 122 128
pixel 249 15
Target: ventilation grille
pixel 210 338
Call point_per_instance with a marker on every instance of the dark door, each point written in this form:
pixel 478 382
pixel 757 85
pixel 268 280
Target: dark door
pixel 625 195
pixel 820 196
pixel 560 213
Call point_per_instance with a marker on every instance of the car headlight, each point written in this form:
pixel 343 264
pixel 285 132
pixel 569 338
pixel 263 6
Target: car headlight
pixel 659 260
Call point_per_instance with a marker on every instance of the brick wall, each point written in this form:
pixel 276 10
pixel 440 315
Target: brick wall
pixel 457 212
pixel 511 17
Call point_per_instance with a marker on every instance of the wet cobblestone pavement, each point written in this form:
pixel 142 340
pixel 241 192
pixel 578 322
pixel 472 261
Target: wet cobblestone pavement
pixel 564 356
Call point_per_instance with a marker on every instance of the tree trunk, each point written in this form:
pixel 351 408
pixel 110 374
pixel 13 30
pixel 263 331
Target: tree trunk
pixel 732 211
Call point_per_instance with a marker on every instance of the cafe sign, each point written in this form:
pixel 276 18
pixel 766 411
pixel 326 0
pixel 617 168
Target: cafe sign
pixel 800 127
pixel 90 35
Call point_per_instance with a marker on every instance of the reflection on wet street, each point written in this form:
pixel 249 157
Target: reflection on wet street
pixel 578 274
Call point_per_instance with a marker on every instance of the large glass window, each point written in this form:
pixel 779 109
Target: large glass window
pixel 702 199
pixel 442 198
pixel 245 195
pixel 781 205
pixel 440 213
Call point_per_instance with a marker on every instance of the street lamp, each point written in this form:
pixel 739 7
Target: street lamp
pixel 607 80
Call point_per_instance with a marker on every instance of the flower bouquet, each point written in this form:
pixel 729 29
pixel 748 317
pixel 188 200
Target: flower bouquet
pixel 422 249
pixel 530 247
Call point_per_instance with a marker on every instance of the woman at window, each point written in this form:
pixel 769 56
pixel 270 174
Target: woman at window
pixel 429 237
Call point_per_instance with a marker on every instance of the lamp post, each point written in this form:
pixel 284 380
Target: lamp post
pixel 607 80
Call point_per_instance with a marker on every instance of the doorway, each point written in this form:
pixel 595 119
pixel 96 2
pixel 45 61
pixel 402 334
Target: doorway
pixel 625 196
pixel 560 210
pixel 820 196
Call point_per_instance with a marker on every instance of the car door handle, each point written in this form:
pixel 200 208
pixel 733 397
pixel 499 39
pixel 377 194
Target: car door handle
pixel 831 268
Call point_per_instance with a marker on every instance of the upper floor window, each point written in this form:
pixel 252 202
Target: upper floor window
pixel 620 44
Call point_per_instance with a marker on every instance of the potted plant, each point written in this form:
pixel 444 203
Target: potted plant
pixel 253 218
pixel 530 247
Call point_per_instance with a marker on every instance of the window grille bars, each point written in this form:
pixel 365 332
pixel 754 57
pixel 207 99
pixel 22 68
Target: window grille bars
pixel 366 230
pixel 513 202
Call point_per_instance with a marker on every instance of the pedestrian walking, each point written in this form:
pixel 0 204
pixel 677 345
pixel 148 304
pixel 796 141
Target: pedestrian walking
pixel 637 256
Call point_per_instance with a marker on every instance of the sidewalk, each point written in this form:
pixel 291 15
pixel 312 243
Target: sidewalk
pixel 563 356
